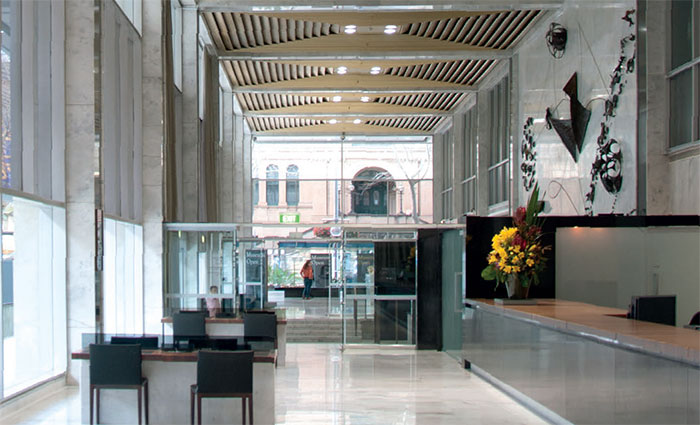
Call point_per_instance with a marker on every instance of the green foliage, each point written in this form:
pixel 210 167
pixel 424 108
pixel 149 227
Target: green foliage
pixel 278 276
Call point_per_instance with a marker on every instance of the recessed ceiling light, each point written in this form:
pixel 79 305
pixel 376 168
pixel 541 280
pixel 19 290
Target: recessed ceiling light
pixel 365 99
pixel 375 70
pixel 350 29
pixel 342 70
pixel 337 98
pixel 333 121
pixel 390 29
pixel 356 121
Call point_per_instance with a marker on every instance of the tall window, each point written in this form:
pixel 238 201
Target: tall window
pixel 272 185
pixel 133 10
pixel 176 13
pixel 292 185
pixel 499 158
pixel 256 186
pixel 469 182
pixel 447 167
pixel 33 293
pixel 370 192
pixel 684 76
pixel 123 277
pixel 11 83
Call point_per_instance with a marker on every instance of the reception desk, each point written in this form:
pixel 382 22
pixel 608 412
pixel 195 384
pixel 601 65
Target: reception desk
pixel 170 375
pixel 221 326
pixel 575 362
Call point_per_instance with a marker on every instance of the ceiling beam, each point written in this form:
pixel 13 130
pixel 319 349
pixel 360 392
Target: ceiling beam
pixel 360 82
pixel 347 115
pixel 330 91
pixel 345 109
pixel 365 47
pixel 339 129
pixel 271 6
pixel 464 53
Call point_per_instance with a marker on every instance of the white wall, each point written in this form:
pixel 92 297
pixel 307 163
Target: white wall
pixel 592 51
pixel 607 266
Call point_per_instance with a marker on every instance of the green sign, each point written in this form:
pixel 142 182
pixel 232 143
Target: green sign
pixel 289 217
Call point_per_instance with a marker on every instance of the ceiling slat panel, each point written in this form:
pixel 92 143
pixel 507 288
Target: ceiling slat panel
pixel 275 30
pixel 216 34
pixel 240 30
pixel 479 38
pixel 257 30
pixel 503 26
pixel 478 23
pixel 232 30
pixel 283 33
pixel 248 28
pixel 266 29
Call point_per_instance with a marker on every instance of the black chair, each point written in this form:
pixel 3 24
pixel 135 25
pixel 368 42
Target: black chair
pixel 146 342
pixel 116 367
pixel 188 326
pixel 260 327
pixel 223 374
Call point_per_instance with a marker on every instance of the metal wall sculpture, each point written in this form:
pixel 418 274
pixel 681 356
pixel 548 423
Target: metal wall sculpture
pixel 608 162
pixel 528 155
pixel 573 130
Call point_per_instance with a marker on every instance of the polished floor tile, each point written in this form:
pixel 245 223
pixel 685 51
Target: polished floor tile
pixel 322 384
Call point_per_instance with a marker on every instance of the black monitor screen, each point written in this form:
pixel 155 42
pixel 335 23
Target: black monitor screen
pixel 189 325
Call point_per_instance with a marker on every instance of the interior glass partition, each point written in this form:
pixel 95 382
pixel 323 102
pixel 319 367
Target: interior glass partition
pixel 365 278
pixel 196 262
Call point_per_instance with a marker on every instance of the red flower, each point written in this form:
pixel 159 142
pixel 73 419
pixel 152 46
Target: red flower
pixel 519 217
pixel 519 241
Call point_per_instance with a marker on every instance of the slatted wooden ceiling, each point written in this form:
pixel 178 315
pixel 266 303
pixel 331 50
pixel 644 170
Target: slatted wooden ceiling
pixel 285 66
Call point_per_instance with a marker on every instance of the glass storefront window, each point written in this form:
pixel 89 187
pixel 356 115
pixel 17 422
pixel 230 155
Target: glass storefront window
pixel 33 293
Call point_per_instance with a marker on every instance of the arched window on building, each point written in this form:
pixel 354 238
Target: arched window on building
pixel 272 185
pixel 292 185
pixel 371 193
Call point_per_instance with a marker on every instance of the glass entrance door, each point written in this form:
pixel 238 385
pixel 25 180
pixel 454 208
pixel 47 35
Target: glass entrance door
pixel 379 292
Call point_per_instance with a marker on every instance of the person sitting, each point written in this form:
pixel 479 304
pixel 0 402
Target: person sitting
pixel 213 304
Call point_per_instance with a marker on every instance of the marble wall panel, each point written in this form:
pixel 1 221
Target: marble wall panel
pixel 592 51
pixel 684 178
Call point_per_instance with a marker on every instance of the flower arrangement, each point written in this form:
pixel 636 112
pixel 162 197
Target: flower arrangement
pixel 517 252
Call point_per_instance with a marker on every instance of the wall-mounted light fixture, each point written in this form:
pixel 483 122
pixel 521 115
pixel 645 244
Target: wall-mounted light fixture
pixel 556 39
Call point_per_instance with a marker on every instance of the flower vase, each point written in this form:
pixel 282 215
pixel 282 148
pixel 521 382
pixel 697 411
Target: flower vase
pixel 516 290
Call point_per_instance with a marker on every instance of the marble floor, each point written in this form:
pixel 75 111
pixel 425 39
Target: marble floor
pixel 323 385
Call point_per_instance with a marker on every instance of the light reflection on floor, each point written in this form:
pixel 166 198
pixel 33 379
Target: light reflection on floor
pixel 323 385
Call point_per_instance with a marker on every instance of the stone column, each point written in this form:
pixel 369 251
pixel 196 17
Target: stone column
pixel 226 164
pixel 152 165
pixel 438 184
pixel 190 117
pixel 657 168
pixel 80 165
pixel 483 149
pixel 458 131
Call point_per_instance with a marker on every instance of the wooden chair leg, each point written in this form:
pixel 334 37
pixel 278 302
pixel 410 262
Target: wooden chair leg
pixel 138 392
pixel 145 396
pixel 92 396
pixel 243 409
pixel 199 409
pixel 250 407
pixel 191 406
pixel 97 405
